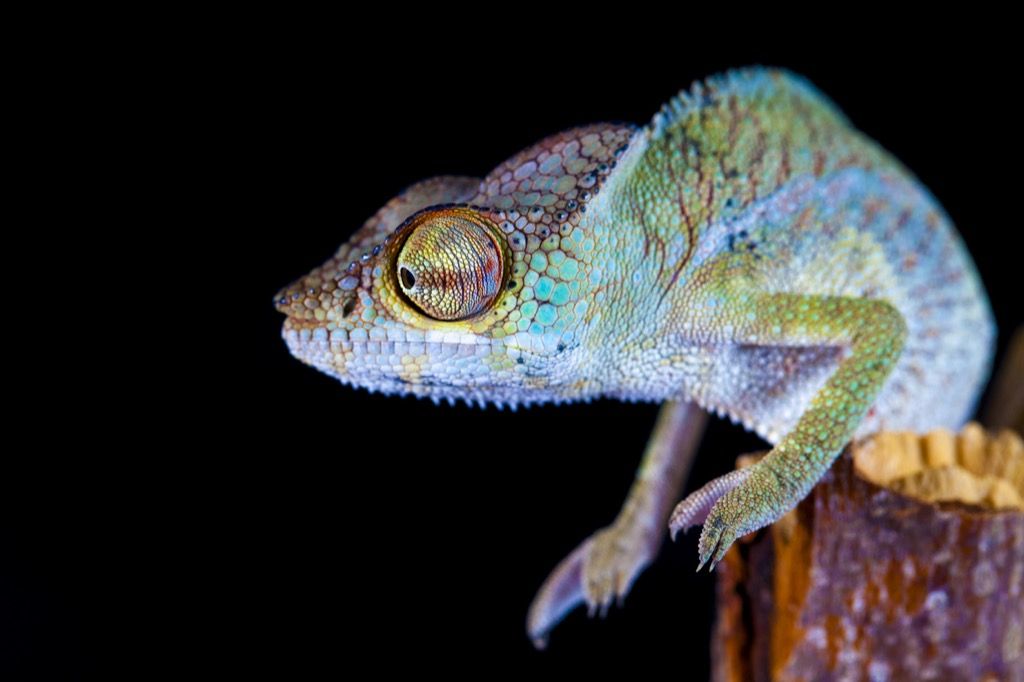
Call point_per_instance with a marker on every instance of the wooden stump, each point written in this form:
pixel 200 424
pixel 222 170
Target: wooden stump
pixel 905 563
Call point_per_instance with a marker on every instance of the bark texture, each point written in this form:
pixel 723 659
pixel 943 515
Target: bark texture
pixel 905 563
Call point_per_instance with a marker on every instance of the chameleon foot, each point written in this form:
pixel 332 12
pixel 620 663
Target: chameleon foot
pixel 601 570
pixel 695 508
pixel 740 503
pixel 720 530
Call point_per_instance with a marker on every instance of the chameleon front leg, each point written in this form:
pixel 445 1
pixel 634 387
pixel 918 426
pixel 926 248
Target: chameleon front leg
pixel 873 332
pixel 605 565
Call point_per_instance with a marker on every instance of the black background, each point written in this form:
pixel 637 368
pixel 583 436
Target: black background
pixel 272 519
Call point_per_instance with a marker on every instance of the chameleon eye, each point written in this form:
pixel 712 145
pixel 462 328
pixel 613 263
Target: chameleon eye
pixel 451 265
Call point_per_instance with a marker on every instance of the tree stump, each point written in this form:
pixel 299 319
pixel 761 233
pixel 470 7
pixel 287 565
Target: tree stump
pixel 905 563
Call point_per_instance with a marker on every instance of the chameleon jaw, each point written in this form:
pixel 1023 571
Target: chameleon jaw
pixel 372 360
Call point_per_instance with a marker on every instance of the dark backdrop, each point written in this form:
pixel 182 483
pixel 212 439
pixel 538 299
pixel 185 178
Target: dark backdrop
pixel 303 526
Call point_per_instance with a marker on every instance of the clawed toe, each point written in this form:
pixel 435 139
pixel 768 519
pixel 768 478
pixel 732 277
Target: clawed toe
pixel 715 540
pixel 697 506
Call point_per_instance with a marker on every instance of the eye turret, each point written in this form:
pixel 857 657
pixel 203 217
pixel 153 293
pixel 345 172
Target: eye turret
pixel 451 265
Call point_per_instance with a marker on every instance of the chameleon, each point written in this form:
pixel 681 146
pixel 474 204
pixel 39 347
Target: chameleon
pixel 747 253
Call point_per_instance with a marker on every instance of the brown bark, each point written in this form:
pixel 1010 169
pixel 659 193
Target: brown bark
pixel 905 562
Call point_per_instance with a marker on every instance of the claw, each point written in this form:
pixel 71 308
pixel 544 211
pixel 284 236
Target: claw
pixel 716 537
pixel 721 529
pixel 712 559
pixel 706 550
pixel 694 510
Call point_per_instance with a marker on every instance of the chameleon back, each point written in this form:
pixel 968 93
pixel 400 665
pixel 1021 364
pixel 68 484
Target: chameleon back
pixel 756 172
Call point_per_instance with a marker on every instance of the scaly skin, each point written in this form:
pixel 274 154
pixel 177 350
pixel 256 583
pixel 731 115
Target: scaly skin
pixel 748 251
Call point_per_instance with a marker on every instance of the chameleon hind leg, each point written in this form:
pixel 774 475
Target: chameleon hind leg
pixel 872 332
pixel 604 566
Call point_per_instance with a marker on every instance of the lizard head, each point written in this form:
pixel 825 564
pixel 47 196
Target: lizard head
pixel 482 290
pixel 442 305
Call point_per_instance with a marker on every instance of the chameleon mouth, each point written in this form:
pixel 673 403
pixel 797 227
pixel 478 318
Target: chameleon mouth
pixel 389 343
pixel 372 361
pixel 361 357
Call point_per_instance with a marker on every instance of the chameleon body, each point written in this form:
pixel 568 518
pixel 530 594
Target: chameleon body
pixel 747 252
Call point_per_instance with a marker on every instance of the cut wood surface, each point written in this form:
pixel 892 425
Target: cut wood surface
pixel 905 563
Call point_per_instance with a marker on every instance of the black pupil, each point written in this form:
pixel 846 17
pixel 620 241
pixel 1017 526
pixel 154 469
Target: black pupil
pixel 408 280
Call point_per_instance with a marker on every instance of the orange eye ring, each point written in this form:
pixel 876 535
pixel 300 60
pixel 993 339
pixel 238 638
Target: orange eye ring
pixel 450 264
